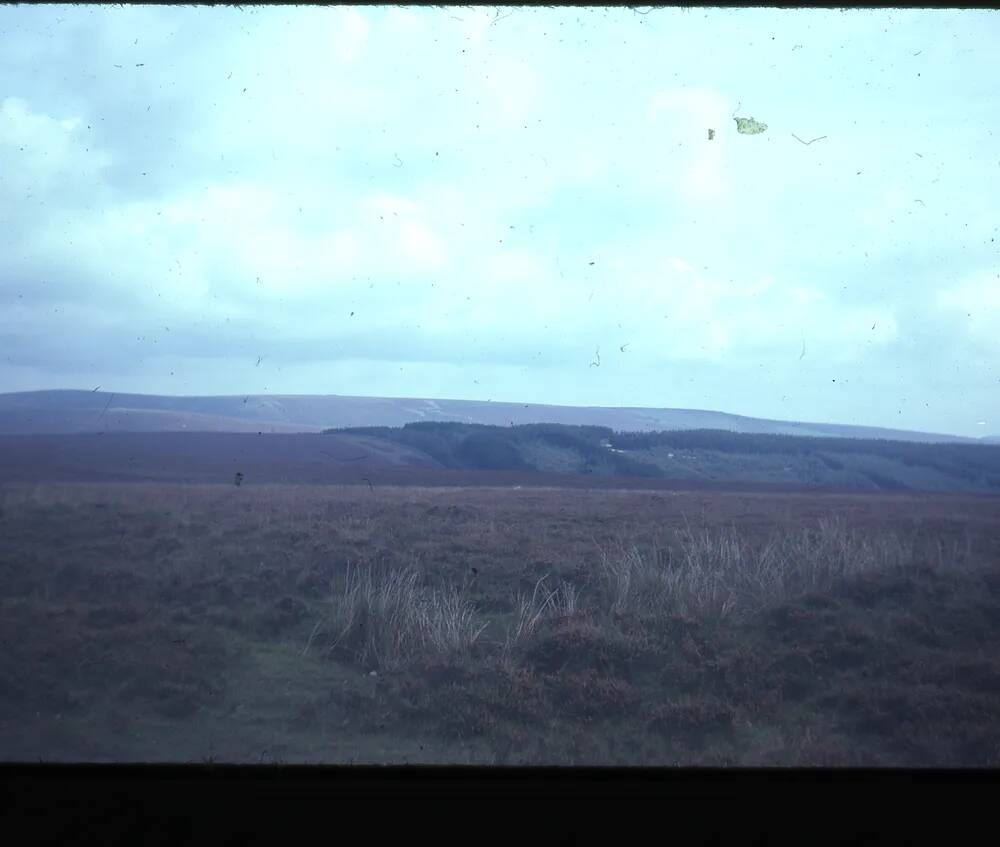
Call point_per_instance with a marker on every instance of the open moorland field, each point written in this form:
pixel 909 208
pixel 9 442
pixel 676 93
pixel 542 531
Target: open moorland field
pixel 169 622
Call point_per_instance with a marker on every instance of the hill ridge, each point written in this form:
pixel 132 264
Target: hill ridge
pixel 77 410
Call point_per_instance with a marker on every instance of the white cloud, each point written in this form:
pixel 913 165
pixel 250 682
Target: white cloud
pixel 342 252
pixel 404 24
pixel 351 33
pixel 476 22
pixel 381 204
pixel 420 246
pixel 976 302
pixel 887 208
pixel 513 267
pixel 460 177
pixel 512 85
pixel 693 106
pixel 582 165
pixel 236 243
pixel 677 310
pixel 678 264
pixel 43 154
pixel 682 117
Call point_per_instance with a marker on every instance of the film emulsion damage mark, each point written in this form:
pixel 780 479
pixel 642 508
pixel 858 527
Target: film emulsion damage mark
pixel 749 126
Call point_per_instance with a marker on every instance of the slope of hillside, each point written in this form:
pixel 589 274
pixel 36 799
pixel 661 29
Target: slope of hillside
pixel 124 419
pixel 99 411
pixel 705 455
pixel 453 454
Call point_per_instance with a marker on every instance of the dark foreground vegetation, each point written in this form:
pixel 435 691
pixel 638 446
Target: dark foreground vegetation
pixel 867 464
pixel 342 624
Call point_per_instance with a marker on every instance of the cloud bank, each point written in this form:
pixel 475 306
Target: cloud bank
pixel 463 203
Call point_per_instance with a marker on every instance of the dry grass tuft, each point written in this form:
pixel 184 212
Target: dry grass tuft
pixel 385 618
pixel 543 604
pixel 718 572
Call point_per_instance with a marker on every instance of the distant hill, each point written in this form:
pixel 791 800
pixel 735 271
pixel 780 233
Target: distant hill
pixel 702 455
pixel 119 419
pixel 445 453
pixel 101 411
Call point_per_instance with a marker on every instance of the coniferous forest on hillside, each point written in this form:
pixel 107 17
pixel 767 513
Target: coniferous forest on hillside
pixel 717 455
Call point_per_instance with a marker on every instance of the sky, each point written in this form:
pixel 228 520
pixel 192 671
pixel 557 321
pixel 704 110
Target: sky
pixel 508 204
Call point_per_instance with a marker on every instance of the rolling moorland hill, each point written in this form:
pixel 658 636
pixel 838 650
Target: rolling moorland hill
pixel 702 455
pixel 90 435
pixel 450 454
pixel 38 412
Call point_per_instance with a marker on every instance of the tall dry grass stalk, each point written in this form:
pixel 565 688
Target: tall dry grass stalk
pixel 543 604
pixel 385 618
pixel 714 573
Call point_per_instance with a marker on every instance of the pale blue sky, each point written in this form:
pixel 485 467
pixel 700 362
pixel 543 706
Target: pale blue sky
pixel 466 203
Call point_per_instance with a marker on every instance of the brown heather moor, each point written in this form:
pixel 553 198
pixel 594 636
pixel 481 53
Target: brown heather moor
pixel 170 622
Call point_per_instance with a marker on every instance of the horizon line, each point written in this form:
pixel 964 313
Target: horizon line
pixel 101 390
